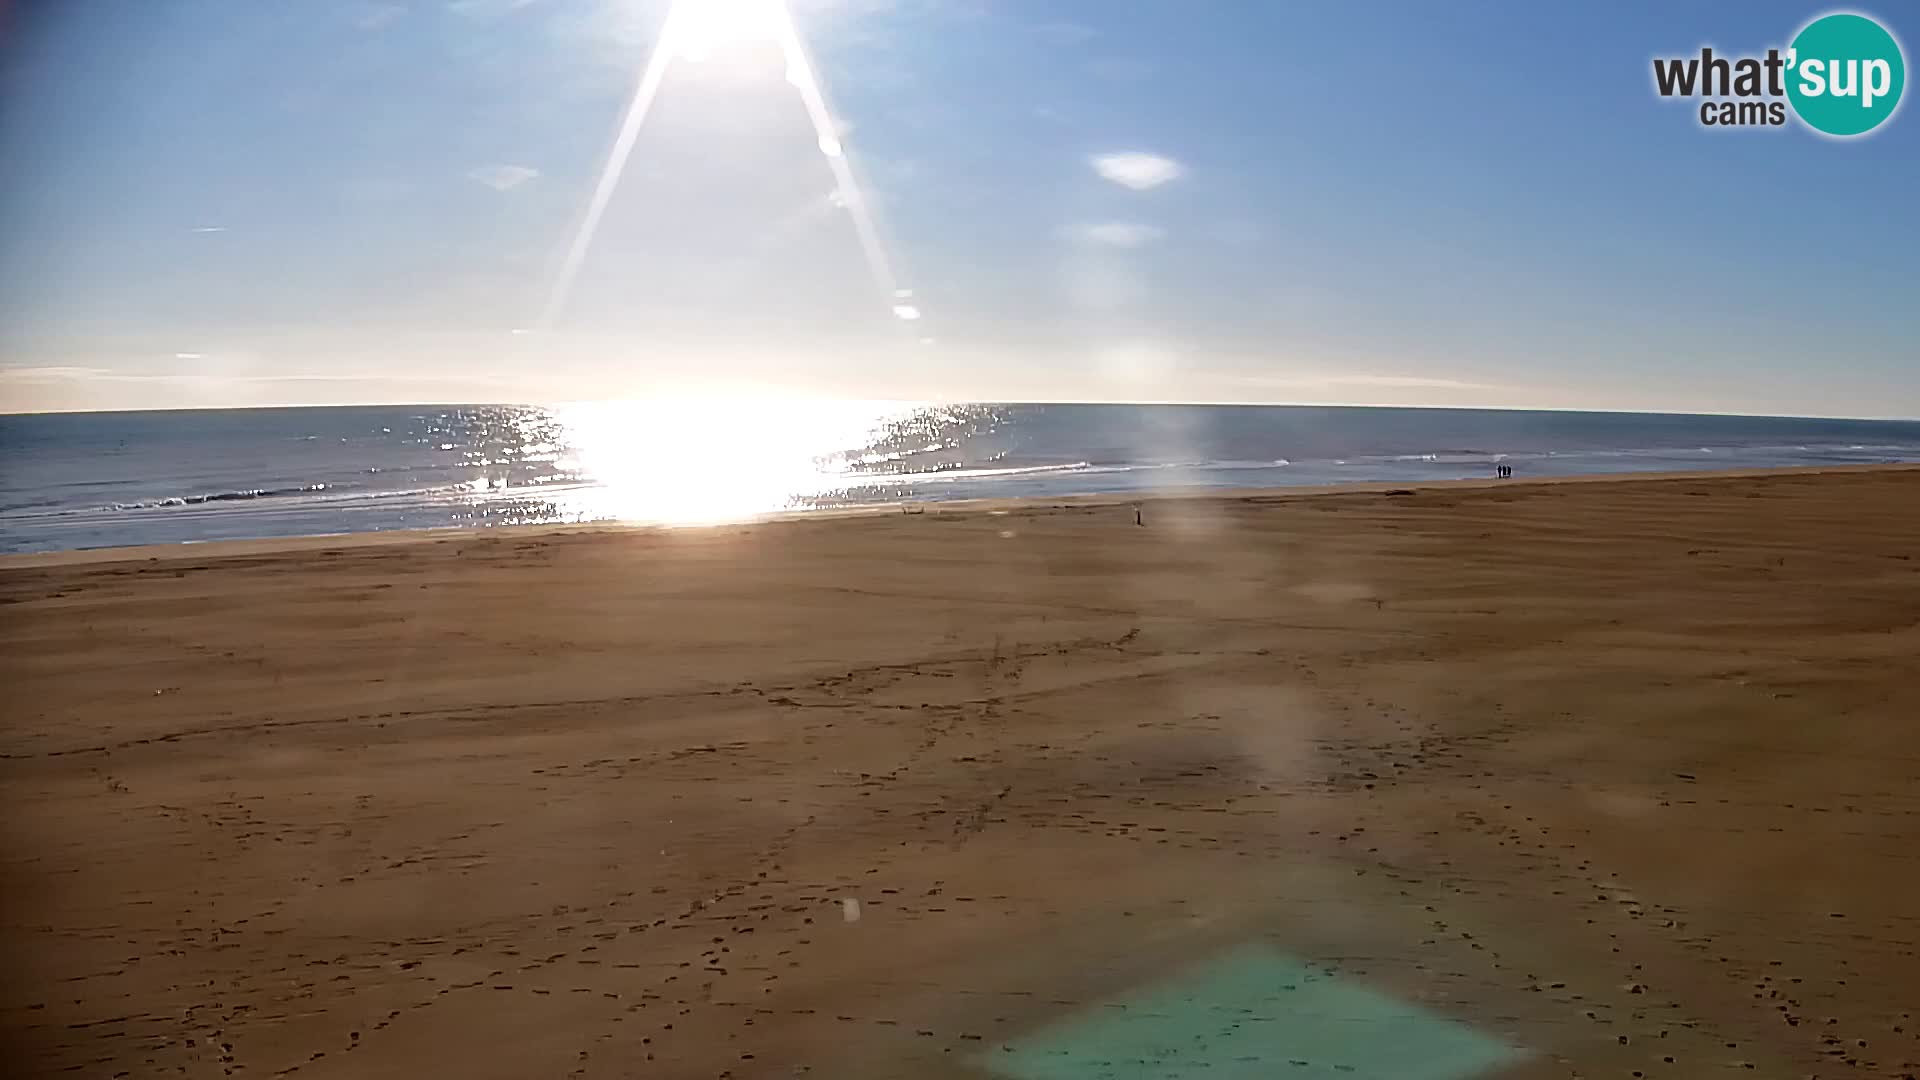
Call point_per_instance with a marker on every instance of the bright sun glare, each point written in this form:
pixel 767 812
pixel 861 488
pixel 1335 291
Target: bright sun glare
pixel 693 29
pixel 696 27
pixel 705 460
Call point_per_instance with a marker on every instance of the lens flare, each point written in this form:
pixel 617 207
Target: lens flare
pixel 693 28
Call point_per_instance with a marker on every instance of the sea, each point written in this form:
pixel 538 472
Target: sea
pixel 89 480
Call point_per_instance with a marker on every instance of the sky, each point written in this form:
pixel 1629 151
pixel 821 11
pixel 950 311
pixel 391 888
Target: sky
pixel 229 202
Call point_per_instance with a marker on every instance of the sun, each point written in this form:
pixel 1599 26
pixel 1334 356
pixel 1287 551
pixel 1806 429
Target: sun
pixel 696 27
pixel 692 29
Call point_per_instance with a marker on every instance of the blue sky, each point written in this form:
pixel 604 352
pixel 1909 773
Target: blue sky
pixel 214 202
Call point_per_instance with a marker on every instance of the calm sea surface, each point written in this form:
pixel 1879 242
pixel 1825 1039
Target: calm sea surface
pixel 101 479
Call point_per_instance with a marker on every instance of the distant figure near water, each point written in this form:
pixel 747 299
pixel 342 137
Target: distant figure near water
pixel 1503 472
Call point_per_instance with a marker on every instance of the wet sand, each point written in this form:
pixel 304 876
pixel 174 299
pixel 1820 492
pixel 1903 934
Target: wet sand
pixel 1623 774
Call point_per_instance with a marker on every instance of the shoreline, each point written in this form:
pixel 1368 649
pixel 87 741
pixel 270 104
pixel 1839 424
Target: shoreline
pixel 307 542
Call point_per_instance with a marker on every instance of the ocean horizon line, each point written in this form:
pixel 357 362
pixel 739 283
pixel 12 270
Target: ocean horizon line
pixel 961 402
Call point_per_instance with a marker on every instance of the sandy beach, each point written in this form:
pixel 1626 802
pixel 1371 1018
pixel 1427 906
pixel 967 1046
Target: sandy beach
pixel 1615 778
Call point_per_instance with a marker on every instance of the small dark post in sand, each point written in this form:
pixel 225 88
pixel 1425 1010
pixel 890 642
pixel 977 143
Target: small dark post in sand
pixel 1136 517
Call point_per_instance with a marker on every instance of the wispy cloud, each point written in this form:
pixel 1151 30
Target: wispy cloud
pixel 503 177
pixel 1062 32
pixel 1418 382
pixel 1137 169
pixel 486 9
pixel 73 373
pixel 374 16
pixel 1115 234
pixel 69 374
pixel 209 228
pixel 54 374
pixel 1328 380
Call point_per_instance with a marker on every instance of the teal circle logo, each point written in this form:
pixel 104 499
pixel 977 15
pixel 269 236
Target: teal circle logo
pixel 1844 74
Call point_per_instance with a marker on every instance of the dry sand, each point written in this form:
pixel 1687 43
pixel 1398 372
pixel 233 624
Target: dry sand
pixel 1626 774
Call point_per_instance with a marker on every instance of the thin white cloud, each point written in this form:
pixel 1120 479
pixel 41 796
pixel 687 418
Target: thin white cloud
pixel 1137 169
pixel 1062 32
pixel 503 177
pixel 486 9
pixel 189 356
pixel 209 228
pixel 69 374
pixel 58 374
pixel 53 374
pixel 1329 380
pixel 374 16
pixel 1116 234
pixel 1418 382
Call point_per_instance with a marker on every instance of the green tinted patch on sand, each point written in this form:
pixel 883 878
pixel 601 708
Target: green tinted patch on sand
pixel 1254 1013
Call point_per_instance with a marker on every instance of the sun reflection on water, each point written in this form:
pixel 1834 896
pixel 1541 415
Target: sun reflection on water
pixel 697 461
